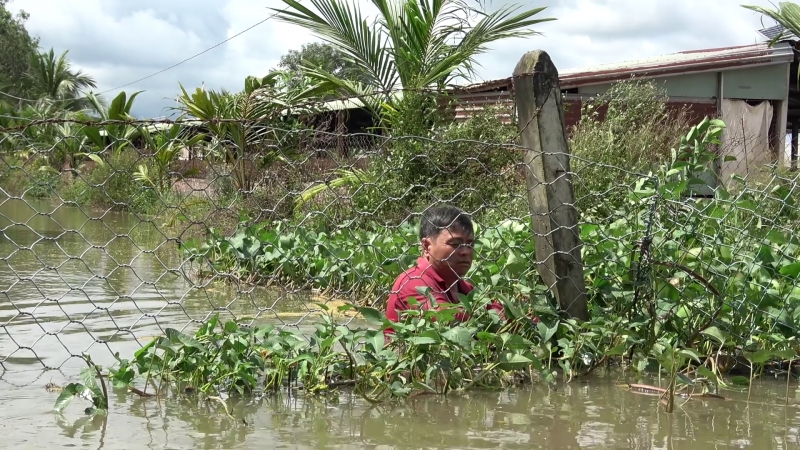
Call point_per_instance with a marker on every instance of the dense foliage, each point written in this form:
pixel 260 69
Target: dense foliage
pixel 17 48
pixel 321 57
pixel 623 133
pixel 706 282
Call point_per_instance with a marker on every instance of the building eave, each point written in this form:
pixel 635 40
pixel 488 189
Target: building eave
pixel 697 61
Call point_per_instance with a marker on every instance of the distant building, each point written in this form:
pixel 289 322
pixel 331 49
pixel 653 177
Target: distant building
pixel 753 88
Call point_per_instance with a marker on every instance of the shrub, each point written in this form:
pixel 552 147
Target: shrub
pixel 633 137
pixel 473 164
pixel 111 184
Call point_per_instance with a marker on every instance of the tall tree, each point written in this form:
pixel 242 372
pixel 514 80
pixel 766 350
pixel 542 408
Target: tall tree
pixel 17 47
pixel 413 44
pixel 323 57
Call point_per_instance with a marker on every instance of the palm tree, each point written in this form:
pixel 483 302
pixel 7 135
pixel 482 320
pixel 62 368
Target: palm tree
pixel 251 119
pixel 52 80
pixel 413 45
pixel 787 15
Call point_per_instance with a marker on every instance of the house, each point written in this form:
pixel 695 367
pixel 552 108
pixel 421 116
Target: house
pixel 752 88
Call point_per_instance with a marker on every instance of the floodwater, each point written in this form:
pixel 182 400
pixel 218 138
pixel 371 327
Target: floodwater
pixel 72 281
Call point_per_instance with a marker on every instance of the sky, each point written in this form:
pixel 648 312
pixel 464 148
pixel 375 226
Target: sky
pixel 121 41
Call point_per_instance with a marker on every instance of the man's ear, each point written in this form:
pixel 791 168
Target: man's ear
pixel 426 245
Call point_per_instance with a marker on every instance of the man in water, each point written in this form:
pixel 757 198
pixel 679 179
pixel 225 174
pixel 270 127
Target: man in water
pixel 447 236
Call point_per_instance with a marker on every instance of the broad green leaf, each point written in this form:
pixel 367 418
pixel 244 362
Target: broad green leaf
pixel 685 380
pixel 706 373
pixel 791 270
pixel 377 341
pixel 372 315
pixel 687 353
pixel 422 340
pixel 514 361
pixel 67 394
pixel 460 336
pixel 619 349
pixel 716 334
pixel 785 354
pixel 758 357
pixel 176 336
pixel 740 380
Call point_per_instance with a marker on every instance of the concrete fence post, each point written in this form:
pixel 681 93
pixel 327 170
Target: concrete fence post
pixel 549 181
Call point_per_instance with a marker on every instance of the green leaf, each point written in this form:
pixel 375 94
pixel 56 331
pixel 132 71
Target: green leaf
pixel 88 376
pixel 706 373
pixel 422 340
pixel 514 361
pixel 372 315
pixel 716 334
pixel 785 354
pixel 176 336
pixel 423 387
pixel 685 380
pixel 67 394
pixel 546 332
pixel 619 349
pixel 377 340
pixel 460 336
pixel 758 357
pixel 791 270
pixel 687 353
pixel 740 380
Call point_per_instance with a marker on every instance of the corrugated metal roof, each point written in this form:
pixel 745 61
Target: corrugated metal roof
pixel 672 64
pixel 350 103
pixel 483 86
pixel 679 63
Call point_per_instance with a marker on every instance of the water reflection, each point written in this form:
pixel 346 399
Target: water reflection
pixel 593 414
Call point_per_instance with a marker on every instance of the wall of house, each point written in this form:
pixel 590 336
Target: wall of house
pixel 757 83
pixel 697 85
pixel 754 83
pixel 697 110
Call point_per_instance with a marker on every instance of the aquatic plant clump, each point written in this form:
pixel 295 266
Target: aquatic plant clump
pixel 428 353
pixel 708 276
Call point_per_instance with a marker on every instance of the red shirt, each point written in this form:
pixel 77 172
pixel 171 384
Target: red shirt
pixel 424 275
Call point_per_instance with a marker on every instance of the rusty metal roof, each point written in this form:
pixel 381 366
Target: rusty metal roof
pixel 713 59
pixel 693 61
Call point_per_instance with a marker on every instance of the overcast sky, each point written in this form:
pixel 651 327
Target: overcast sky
pixel 120 41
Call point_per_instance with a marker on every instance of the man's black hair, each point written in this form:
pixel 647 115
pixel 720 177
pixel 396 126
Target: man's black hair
pixel 435 220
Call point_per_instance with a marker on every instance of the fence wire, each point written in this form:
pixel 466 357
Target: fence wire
pixel 113 231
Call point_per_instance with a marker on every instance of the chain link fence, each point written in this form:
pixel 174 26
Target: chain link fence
pixel 114 230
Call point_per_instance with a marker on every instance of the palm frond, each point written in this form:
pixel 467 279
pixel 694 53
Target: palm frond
pixel 345 178
pixel 343 26
pixel 787 15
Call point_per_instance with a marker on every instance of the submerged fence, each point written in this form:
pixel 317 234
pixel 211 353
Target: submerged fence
pixel 110 235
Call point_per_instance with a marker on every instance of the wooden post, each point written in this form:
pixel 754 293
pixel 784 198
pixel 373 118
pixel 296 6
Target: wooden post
pixel 549 180
pixel 793 150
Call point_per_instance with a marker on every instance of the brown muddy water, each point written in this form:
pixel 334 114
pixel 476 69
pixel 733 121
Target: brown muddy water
pixel 72 282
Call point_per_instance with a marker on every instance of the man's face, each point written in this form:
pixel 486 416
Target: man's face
pixel 450 252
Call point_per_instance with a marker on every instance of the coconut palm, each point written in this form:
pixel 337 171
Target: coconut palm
pixel 787 15
pixel 51 79
pixel 413 44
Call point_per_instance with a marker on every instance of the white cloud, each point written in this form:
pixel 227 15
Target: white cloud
pixel 117 41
